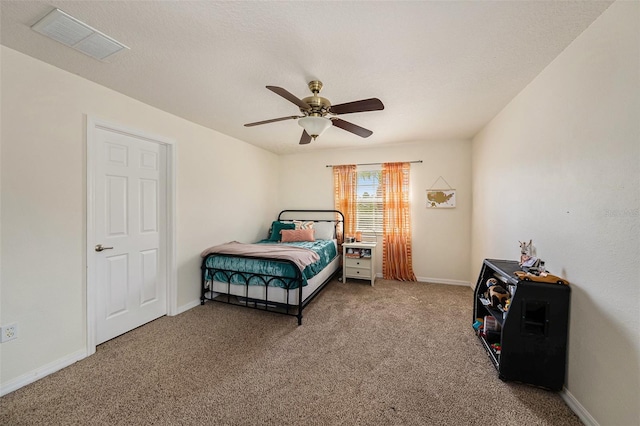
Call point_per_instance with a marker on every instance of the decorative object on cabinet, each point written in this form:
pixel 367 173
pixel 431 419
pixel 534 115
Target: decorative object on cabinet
pixel 526 251
pixel 531 344
pixel 542 277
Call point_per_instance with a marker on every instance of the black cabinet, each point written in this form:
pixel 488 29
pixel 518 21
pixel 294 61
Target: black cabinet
pixel 528 342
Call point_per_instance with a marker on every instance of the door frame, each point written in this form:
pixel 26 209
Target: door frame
pixel 93 123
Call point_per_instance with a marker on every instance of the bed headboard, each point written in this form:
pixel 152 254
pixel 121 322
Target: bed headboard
pixel 334 216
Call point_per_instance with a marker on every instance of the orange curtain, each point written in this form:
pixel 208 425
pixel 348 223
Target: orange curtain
pixel 344 189
pixel 396 225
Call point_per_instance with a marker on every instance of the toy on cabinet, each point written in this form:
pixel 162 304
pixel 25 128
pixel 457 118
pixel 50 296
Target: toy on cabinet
pixel 496 294
pixel 543 277
pixel 529 262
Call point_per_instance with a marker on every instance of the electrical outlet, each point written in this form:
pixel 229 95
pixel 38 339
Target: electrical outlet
pixel 9 332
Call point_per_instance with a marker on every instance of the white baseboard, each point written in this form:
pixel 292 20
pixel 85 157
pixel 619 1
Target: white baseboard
pixel 41 372
pixel 436 280
pixel 187 306
pixel 443 281
pixel 577 408
pixel 63 362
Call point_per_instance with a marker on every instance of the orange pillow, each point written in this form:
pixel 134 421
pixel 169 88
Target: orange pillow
pixel 295 235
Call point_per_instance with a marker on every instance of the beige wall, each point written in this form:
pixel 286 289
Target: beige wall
pixel 226 189
pixel 560 165
pixel 441 238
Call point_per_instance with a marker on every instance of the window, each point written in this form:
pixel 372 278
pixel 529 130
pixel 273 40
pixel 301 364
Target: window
pixel 369 200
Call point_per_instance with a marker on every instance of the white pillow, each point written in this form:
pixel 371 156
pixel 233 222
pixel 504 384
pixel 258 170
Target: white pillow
pixel 303 225
pixel 324 230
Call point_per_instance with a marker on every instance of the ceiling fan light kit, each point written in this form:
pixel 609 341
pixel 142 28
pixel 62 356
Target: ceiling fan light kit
pixel 315 110
pixel 314 126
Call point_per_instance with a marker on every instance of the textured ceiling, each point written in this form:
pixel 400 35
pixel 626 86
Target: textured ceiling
pixel 442 69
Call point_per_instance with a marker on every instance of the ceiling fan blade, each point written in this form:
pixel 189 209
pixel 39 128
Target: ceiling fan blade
pixel 288 96
pixel 350 127
pixel 273 120
pixel 305 138
pixel 373 104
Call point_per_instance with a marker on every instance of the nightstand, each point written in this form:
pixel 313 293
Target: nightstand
pixel 358 261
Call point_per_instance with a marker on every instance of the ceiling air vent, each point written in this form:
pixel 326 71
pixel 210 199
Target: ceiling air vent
pixel 69 31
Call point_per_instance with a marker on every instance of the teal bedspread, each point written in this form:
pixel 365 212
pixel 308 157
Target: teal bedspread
pixel 238 270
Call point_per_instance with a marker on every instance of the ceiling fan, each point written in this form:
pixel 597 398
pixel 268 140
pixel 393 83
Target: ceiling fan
pixel 319 114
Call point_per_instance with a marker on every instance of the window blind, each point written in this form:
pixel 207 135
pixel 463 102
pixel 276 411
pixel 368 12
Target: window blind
pixel 369 206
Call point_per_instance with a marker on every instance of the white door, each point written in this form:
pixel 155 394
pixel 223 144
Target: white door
pixel 130 232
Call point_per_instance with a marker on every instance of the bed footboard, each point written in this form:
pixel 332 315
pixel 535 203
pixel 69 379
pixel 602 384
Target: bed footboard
pixel 268 291
pixel 256 290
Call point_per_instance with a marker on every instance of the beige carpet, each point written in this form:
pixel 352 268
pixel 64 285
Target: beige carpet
pixel 395 354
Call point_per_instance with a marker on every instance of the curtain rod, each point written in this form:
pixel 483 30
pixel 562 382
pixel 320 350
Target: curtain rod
pixel 374 164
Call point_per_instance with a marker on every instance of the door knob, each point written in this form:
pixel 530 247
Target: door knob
pixel 99 247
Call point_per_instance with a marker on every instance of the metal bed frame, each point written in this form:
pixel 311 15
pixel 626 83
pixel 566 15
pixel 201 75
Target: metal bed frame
pixel 288 283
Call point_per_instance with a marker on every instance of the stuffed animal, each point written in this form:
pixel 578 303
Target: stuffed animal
pixel 528 261
pixel 526 251
pixel 496 294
